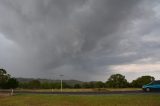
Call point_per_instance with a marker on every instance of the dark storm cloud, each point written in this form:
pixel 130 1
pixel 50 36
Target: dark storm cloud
pixel 74 37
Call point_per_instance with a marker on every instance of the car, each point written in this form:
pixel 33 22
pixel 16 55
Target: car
pixel 153 86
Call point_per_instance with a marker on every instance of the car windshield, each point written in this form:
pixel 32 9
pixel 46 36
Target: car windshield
pixel 155 82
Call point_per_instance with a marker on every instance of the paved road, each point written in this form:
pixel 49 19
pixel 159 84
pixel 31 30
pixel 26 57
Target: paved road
pixel 87 93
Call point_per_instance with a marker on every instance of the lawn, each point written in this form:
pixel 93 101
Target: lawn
pixel 79 90
pixel 66 100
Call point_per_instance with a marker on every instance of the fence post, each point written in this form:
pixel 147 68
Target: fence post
pixel 12 92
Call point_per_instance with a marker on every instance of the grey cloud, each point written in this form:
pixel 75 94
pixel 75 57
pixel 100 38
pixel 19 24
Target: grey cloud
pixel 73 36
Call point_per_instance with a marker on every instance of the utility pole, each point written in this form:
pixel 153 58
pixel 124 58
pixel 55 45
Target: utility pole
pixel 61 81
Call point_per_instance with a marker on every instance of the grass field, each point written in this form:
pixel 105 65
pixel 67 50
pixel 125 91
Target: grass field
pixel 64 100
pixel 79 90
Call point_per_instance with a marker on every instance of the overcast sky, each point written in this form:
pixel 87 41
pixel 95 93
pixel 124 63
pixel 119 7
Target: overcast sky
pixel 81 39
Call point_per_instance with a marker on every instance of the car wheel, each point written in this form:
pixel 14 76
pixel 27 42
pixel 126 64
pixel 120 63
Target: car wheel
pixel 148 89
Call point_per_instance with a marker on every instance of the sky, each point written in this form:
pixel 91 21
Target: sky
pixel 82 39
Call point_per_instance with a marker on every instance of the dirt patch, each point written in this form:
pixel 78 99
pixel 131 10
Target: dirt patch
pixel 4 94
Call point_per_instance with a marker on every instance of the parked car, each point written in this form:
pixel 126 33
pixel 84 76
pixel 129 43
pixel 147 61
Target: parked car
pixel 153 86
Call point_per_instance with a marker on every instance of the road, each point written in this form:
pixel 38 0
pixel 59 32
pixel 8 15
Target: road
pixel 87 93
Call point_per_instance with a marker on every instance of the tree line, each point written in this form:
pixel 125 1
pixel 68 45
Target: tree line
pixel 114 81
pixel 6 81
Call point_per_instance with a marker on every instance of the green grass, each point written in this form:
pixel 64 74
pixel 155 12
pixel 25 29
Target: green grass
pixel 64 100
pixel 80 90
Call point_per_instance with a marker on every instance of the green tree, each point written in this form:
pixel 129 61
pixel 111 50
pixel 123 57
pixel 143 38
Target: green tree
pixel 86 85
pixel 99 84
pixel 77 86
pixel 65 85
pixel 91 84
pixel 117 81
pixel 46 85
pixel 34 84
pixel 12 83
pixel 139 82
pixel 4 77
pixel 23 85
